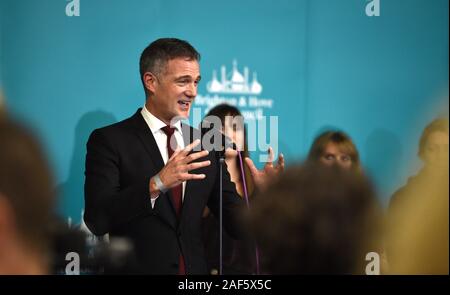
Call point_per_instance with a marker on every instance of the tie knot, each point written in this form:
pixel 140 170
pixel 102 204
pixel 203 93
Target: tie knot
pixel 168 130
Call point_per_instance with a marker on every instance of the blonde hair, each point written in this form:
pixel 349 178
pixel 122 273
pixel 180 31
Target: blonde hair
pixel 439 124
pixel 341 139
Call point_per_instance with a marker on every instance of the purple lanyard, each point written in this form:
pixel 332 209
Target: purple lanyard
pixel 244 182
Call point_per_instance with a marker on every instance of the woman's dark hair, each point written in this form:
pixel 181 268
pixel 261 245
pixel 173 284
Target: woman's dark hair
pixel 221 111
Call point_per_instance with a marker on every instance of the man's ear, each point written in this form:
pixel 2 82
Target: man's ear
pixel 150 81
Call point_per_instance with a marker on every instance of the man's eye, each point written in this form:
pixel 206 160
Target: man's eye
pixel 329 157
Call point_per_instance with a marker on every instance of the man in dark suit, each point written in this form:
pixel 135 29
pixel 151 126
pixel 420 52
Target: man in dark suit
pixel 139 180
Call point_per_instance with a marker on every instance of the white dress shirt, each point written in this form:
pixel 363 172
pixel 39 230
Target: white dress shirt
pixel 160 136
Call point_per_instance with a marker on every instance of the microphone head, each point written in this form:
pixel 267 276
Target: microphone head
pixel 214 140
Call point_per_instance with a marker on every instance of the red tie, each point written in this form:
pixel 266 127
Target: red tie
pixel 177 191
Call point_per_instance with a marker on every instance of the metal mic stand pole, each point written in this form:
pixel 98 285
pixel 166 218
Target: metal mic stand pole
pixel 221 161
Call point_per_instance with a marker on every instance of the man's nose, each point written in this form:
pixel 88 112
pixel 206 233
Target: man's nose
pixel 192 90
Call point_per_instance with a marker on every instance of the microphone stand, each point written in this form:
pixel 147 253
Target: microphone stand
pixel 244 182
pixel 221 161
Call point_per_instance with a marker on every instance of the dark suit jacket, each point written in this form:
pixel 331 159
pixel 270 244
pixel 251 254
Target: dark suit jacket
pixel 121 159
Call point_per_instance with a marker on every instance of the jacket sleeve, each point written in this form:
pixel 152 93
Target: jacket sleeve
pixel 107 203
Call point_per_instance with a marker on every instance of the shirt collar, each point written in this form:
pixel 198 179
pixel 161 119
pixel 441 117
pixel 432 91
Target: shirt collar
pixel 156 124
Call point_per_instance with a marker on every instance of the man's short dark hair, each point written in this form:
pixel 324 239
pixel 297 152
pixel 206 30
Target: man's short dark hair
pixel 155 57
pixel 26 184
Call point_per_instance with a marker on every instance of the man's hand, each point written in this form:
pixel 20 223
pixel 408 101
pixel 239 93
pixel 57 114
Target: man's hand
pixel 178 166
pixel 263 178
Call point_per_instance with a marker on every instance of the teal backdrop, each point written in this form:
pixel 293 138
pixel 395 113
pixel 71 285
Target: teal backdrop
pixel 318 64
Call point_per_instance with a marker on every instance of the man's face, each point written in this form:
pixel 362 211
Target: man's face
pixel 174 89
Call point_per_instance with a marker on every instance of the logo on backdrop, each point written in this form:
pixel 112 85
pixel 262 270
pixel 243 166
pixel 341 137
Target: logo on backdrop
pixel 234 82
pixel 239 88
pixel 73 8
pixel 373 8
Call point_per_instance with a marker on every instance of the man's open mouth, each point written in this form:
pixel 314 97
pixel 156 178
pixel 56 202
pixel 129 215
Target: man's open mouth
pixel 184 103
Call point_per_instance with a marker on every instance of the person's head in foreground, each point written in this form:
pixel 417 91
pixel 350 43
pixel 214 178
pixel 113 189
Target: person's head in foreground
pixel 26 200
pixel 316 220
pixel 334 148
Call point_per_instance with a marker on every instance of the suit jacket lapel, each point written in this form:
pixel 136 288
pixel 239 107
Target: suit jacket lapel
pixel 164 206
pixel 189 135
pixel 148 140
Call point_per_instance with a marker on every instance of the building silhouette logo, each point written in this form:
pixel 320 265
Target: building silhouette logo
pixel 237 87
pixel 234 82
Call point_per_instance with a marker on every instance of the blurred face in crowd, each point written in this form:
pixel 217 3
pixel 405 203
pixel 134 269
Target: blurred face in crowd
pixel 234 129
pixel 174 89
pixel 436 149
pixel 335 155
